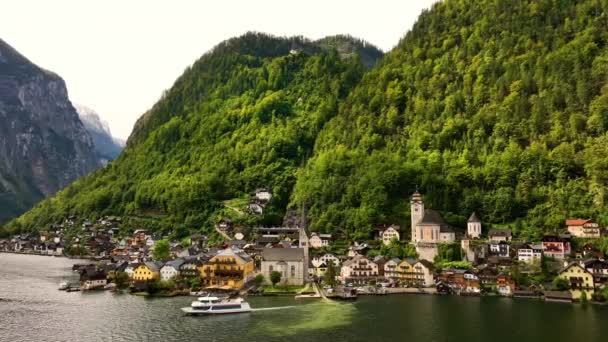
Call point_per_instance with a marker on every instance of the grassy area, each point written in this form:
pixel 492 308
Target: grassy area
pixel 284 289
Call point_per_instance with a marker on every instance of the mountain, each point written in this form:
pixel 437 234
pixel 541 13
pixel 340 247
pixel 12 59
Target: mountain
pixel 493 106
pixel 43 144
pixel 245 115
pixel 348 46
pixel 497 107
pixel 107 146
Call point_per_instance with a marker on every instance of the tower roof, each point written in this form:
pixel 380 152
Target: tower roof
pixel 416 196
pixel 473 218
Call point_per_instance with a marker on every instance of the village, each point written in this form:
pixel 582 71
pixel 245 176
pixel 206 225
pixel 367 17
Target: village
pixel 437 259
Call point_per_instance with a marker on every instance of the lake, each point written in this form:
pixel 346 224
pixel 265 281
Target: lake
pixel 32 309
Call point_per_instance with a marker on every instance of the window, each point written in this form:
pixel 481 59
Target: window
pixel 293 271
pixel 270 269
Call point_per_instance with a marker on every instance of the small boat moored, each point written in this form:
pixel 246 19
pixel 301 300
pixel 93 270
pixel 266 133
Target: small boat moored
pixel 64 285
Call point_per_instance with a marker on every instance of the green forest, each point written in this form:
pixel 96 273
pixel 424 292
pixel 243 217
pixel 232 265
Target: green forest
pixel 493 106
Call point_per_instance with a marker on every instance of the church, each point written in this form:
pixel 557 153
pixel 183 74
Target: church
pixel 428 229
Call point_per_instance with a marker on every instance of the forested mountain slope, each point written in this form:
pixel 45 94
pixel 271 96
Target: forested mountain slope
pixel 499 107
pixel 245 115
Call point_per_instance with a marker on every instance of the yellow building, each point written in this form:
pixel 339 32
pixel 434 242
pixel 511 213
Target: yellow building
pixel 580 280
pixel 146 272
pixel 227 270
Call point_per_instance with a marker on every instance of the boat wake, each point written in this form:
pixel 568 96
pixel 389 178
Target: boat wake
pixel 275 308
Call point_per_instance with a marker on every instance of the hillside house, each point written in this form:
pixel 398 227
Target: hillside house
pixel 583 228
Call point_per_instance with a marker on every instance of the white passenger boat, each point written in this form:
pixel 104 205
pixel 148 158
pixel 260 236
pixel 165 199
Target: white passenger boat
pixel 216 306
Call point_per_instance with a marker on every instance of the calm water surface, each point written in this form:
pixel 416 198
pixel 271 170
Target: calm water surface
pixel 32 309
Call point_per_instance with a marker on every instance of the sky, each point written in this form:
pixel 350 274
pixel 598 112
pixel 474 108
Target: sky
pixel 118 56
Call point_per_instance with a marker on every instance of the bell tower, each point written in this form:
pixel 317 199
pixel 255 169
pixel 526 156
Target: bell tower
pixel 417 212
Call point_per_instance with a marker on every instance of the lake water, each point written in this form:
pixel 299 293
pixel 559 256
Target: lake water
pixel 32 309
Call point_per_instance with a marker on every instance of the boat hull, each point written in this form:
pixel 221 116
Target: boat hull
pixel 245 308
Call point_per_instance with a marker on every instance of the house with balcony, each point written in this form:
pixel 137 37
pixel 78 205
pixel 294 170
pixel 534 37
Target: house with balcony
pixel 359 270
pixel 228 270
pixel 583 228
pixel 555 246
pixel 599 270
pixel 580 280
pixel 530 253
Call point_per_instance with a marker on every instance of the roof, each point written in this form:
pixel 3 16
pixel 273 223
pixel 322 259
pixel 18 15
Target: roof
pixel 576 222
pixel 432 217
pixel 426 264
pixel 154 266
pixel 282 254
pixel 500 232
pixel 230 252
pixel 175 263
pixel 473 218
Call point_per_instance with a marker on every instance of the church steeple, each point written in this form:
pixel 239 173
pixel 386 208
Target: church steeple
pixel 303 240
pixel 416 213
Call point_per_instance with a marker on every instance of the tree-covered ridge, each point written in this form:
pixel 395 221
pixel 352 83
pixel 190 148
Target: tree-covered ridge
pixel 244 116
pixel 499 107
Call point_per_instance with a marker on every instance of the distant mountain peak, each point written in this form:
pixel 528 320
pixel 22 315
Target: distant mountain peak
pixel 107 146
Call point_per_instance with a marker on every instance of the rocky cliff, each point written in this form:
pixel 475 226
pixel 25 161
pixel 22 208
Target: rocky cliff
pixel 43 144
pixel 106 146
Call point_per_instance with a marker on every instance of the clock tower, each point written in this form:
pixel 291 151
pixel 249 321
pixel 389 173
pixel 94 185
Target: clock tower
pixel 417 212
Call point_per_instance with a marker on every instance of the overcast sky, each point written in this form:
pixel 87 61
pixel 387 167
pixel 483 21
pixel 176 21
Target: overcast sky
pixel 117 56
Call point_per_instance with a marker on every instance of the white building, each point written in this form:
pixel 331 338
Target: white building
pixel 390 233
pixel 474 227
pixel 263 195
pixel 326 259
pixel 288 261
pixel 319 240
pixel 530 253
pixel 171 269
pixel 423 271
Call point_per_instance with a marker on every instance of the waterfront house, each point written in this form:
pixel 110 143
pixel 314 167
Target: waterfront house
pixel 556 247
pixel 171 269
pixel 147 271
pixel 288 261
pixel 423 274
pixel 599 269
pixel 498 235
pixel 189 268
pixel 505 285
pixel 392 271
pixel 579 278
pixel 359 270
pixel 380 260
pixel 487 275
pixel 583 228
pixel 229 270
pixel 529 253
pixel 130 269
pixel 92 278
pixel 319 240
pixel 460 281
